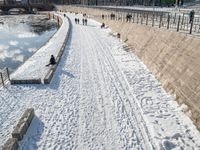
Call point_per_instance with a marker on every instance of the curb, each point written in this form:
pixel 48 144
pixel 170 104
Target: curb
pixel 19 130
pixel 32 81
pixel 49 75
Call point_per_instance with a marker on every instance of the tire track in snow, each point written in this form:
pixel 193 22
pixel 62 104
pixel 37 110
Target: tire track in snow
pixel 125 87
pixel 102 95
pixel 90 40
pixel 89 96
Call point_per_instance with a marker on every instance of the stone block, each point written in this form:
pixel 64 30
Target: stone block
pixel 23 124
pixel 20 130
pixel 11 144
pixel 53 68
pixel 48 77
pixel 32 81
pixel 28 115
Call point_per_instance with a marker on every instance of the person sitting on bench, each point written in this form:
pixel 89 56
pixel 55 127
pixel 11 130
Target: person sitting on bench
pixel 52 61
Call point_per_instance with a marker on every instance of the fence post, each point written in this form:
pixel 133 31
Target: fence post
pixel 153 20
pixel 182 22
pixel 49 15
pixel 179 18
pixel 182 19
pixel 174 19
pixel 168 20
pixel 160 20
pixel 137 17
pixel 191 26
pixel 147 19
pixel 8 74
pixel 2 78
pixel 141 16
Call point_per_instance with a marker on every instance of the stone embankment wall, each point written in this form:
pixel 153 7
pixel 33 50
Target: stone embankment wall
pixel 174 58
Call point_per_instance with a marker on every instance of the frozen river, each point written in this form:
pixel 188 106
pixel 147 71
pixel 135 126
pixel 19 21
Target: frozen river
pixel 21 36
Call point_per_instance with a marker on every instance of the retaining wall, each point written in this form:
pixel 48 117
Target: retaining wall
pixel 50 73
pixel 172 57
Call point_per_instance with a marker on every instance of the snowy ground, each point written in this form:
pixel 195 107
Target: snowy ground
pixel 101 97
pixel 34 67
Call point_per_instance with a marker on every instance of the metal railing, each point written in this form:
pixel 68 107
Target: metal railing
pixel 4 76
pixel 179 22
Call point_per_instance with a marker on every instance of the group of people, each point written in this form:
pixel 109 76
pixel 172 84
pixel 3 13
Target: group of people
pixel 77 20
pixel 84 21
pixel 128 17
pixel 112 16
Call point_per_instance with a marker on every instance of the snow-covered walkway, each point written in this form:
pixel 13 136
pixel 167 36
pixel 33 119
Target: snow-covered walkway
pixel 101 97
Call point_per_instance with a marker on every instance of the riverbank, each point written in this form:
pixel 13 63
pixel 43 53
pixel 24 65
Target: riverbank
pixel 21 36
pixel 30 70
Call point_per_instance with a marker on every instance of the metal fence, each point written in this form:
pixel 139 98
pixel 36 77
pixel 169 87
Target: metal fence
pixel 179 22
pixel 4 76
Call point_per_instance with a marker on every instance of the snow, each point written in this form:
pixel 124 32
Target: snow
pixel 34 67
pixel 101 97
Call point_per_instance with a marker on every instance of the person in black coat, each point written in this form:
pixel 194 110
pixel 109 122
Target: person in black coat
pixel 85 21
pixel 52 61
pixel 191 15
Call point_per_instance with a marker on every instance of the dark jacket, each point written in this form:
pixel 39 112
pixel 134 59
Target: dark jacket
pixel 52 60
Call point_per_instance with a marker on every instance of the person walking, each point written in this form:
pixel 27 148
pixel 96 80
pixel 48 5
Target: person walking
pixel 85 21
pixel 191 15
pixel 102 16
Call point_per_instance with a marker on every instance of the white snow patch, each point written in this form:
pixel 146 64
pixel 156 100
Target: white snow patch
pixel 13 43
pixel 26 35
